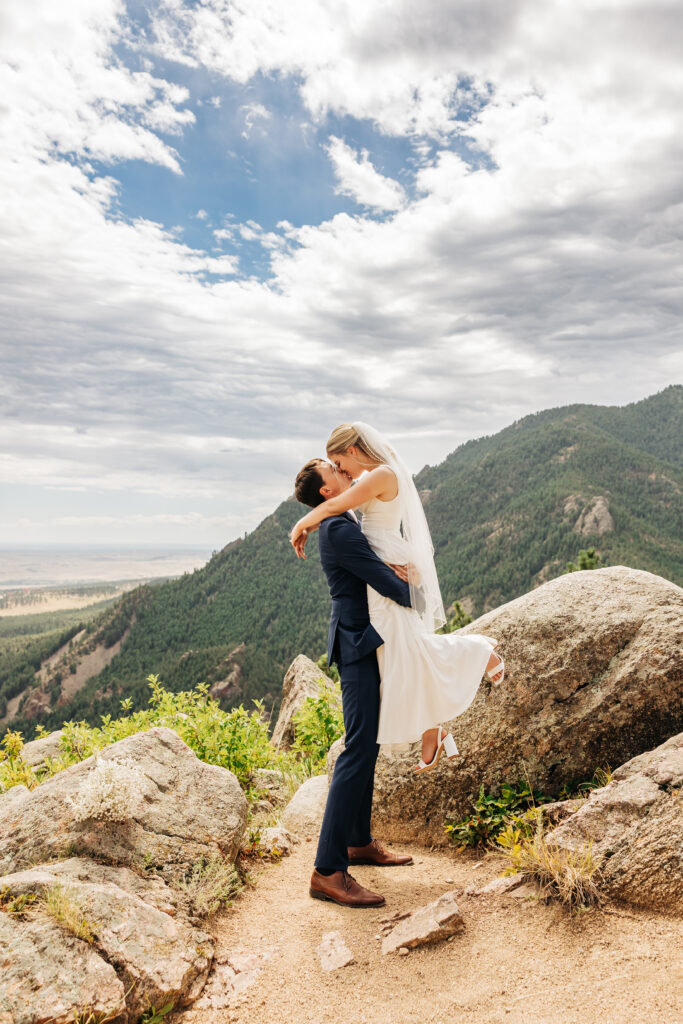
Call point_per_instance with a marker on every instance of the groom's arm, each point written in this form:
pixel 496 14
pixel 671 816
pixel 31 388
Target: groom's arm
pixel 356 555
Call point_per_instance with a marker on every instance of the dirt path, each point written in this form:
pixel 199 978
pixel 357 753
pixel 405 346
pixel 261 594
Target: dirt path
pixel 517 962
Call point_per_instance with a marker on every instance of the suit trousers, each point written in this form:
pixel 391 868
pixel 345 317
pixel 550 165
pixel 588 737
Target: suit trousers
pixel 346 821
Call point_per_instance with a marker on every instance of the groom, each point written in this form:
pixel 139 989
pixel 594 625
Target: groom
pixel 350 564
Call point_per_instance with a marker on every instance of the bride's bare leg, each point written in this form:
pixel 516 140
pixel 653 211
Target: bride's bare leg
pixel 430 737
pixel 492 662
pixel 429 742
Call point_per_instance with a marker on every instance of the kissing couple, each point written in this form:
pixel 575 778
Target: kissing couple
pixel 399 678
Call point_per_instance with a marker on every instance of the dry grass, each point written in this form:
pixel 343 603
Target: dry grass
pixel 570 876
pixel 61 903
pixel 210 885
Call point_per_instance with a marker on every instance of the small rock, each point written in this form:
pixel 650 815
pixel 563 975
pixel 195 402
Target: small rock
pixel 276 840
pixel 525 891
pixel 449 881
pixel 232 975
pixel 333 952
pixel 499 886
pixel 433 923
pixel 403 951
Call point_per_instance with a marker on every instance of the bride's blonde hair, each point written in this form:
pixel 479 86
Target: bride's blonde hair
pixel 346 436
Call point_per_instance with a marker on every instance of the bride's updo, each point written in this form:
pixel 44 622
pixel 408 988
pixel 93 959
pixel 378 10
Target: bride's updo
pixel 347 435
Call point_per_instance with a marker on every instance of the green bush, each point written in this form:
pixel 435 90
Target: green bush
pixel 237 739
pixel 492 814
pixel 317 724
pixel 515 812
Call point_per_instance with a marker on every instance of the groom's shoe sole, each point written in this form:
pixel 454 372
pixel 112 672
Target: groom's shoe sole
pixel 376 864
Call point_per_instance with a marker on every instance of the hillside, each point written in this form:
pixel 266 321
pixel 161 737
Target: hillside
pixel 507 511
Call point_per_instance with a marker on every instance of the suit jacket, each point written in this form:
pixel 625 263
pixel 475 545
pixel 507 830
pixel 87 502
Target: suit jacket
pixel 350 564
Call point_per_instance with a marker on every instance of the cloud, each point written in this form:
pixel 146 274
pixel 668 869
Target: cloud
pixel 529 257
pixel 357 178
pixel 253 112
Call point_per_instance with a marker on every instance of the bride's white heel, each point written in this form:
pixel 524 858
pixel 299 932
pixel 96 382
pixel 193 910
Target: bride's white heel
pixel 446 744
pixel 498 669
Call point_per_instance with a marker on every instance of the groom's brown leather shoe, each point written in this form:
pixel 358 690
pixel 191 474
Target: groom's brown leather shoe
pixel 341 888
pixel 375 853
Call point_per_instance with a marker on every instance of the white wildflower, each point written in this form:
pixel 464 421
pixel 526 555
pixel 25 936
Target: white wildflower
pixel 108 792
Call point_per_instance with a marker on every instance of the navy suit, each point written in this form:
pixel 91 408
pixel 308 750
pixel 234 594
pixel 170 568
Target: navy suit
pixel 350 564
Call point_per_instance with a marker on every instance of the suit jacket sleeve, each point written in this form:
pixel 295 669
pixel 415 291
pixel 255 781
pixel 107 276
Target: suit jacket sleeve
pixel 355 554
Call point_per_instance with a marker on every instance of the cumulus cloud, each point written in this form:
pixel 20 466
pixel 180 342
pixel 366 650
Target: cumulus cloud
pixel 529 257
pixel 356 177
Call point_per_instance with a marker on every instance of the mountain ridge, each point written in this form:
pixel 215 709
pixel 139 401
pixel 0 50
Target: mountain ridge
pixel 506 512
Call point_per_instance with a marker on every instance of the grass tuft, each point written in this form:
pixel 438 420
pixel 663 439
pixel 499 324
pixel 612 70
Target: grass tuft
pixel 62 904
pixel 210 885
pixel 570 876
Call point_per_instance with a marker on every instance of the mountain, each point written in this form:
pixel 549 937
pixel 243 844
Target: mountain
pixel 507 511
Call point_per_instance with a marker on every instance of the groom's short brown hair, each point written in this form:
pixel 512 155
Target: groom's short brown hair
pixel 308 484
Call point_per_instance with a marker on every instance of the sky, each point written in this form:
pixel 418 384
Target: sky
pixel 228 226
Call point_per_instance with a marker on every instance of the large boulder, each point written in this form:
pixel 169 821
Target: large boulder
pixel 180 810
pixel 594 676
pixel 303 814
pixel 635 828
pixel 158 957
pixel 302 680
pixel 47 976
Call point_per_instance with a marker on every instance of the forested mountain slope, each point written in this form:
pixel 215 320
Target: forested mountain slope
pixel 506 511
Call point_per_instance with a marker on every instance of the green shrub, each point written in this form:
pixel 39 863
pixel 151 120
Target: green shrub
pixel 330 670
pixel 516 808
pixel 317 724
pixel 459 619
pixel 237 740
pixel 588 559
pixel 492 814
pixel 13 769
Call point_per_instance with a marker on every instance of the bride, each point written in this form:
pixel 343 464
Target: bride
pixel 426 678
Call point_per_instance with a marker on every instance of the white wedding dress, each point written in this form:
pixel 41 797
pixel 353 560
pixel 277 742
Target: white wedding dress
pixel 426 678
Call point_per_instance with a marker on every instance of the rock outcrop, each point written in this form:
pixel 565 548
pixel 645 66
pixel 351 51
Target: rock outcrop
pixel 111 932
pixel 36 752
pixel 302 680
pixel 595 519
pixel 157 957
pixel 594 676
pixel 182 810
pixel 635 828
pixel 48 976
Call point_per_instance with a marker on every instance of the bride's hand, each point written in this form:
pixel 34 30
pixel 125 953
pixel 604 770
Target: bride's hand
pixel 408 573
pixel 413 575
pixel 401 571
pixel 298 538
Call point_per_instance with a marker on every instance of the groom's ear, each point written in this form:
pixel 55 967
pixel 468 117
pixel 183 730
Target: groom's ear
pixel 309 484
